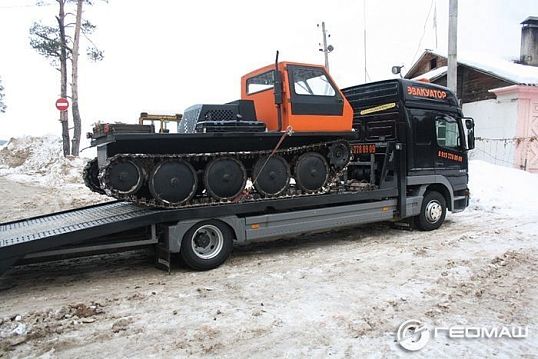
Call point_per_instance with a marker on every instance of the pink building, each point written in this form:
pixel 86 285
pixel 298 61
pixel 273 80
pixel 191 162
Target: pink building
pixel 525 131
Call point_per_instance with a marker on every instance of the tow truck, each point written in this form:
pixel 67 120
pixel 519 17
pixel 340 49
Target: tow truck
pixel 408 163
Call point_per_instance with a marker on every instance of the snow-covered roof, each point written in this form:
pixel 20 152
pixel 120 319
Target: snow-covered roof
pixel 497 67
pixel 432 75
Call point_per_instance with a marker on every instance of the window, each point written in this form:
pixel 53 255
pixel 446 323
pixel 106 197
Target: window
pixel 261 82
pixel 447 131
pixel 433 63
pixel 312 82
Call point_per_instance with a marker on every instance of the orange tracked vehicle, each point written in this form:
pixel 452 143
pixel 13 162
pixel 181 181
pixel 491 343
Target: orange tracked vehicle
pixel 293 133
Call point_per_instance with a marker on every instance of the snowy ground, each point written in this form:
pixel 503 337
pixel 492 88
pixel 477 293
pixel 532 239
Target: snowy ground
pixel 36 179
pixel 341 294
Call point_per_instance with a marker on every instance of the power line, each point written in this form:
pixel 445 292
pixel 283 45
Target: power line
pixel 423 31
pixel 25 6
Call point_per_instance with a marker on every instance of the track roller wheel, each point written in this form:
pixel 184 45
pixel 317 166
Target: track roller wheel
pixel 91 176
pixel 311 172
pixel 339 155
pixel 225 178
pixel 271 175
pixel 125 177
pixel 173 182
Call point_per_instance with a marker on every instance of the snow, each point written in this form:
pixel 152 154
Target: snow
pixel 432 75
pixel 40 160
pixel 517 73
pixel 339 294
pixel 508 191
pixel 46 178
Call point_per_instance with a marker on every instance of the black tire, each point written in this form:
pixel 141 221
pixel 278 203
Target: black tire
pixel 272 175
pixel 311 172
pixel 125 176
pixel 173 182
pixel 225 178
pixel 432 213
pixel 203 234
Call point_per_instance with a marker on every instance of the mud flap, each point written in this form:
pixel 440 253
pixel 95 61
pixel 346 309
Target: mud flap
pixel 162 257
pixel 6 263
pixel 405 224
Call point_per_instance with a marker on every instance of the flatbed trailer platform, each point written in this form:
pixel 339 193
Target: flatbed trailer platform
pixel 97 226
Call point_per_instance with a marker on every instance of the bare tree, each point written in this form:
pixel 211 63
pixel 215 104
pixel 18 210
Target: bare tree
pixel 58 45
pixel 2 103
pixel 94 54
pixel 51 42
pixel 75 145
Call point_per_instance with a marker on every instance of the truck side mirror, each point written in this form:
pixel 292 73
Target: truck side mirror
pixel 469 123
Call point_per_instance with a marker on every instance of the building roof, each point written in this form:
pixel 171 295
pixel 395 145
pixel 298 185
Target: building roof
pixel 496 67
pixel 531 20
pixel 432 75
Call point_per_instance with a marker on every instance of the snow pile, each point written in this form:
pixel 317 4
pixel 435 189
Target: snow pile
pixel 40 160
pixel 503 190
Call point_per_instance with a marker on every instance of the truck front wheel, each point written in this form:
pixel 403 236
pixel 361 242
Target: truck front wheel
pixel 433 212
pixel 207 245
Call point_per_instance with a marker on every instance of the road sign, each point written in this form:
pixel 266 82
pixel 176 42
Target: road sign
pixel 62 104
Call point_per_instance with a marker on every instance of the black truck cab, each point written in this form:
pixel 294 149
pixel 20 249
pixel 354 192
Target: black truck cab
pixel 426 122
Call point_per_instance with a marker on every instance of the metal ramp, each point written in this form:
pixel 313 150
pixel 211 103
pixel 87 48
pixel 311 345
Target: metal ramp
pixel 19 238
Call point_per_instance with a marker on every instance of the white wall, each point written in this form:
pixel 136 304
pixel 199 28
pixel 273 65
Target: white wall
pixel 494 119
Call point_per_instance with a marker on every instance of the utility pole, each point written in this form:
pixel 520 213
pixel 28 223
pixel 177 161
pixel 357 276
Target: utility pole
pixel 364 36
pixel 326 48
pixel 452 73
pixel 435 22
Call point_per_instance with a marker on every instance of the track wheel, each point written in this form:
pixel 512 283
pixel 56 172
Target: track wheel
pixel 173 182
pixel 206 245
pixel 339 155
pixel 225 178
pixel 311 172
pixel 91 176
pixel 271 175
pixel 125 176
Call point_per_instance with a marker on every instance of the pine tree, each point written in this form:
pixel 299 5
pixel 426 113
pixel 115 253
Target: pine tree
pixel 60 43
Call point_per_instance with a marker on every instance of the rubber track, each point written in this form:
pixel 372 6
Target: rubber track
pixel 86 175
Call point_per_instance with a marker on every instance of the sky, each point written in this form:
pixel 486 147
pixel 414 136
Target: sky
pixel 162 56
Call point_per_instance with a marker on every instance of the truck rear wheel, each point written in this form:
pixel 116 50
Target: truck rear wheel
pixel 432 213
pixel 207 245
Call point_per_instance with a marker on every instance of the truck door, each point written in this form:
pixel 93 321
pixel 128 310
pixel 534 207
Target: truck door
pixel 315 103
pixel 420 160
pixel 449 148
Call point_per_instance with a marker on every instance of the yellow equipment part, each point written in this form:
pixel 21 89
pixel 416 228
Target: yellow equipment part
pixel 163 120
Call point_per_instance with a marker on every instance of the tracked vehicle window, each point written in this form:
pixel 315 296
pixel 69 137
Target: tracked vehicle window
pixel 312 82
pixel 261 82
pixel 447 132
